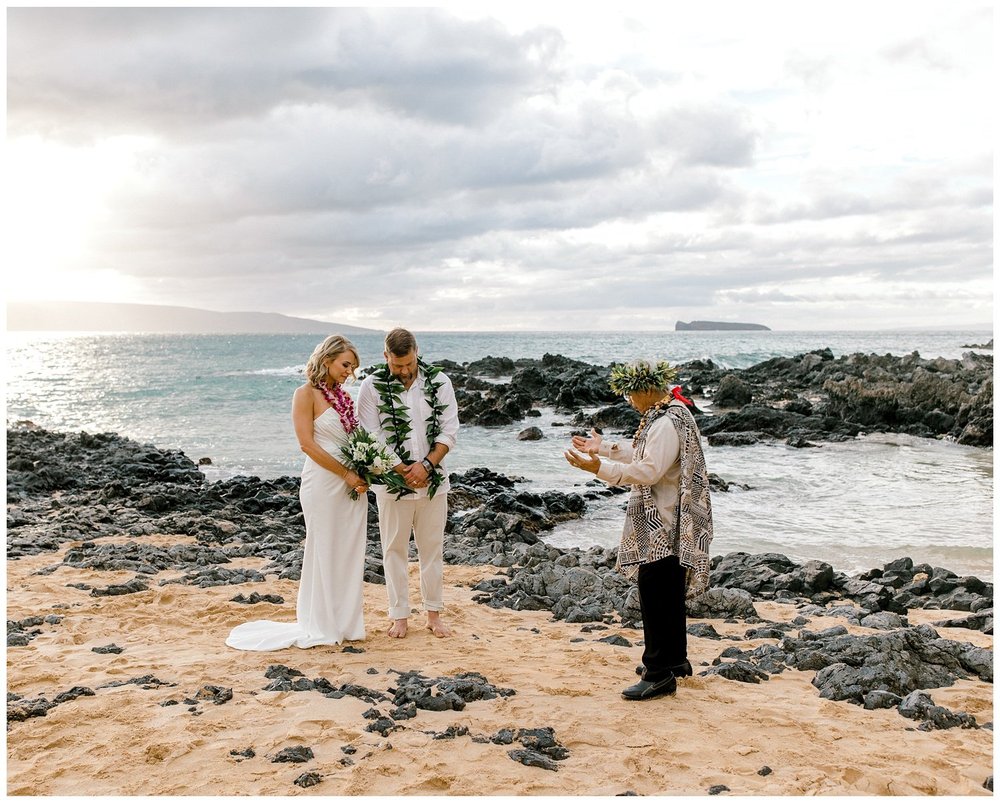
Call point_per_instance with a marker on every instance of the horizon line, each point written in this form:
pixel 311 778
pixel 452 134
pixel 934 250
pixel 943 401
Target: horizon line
pixel 376 331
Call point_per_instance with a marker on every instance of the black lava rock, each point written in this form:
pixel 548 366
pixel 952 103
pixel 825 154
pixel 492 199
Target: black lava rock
pixel 131 587
pixel 532 758
pixel 919 705
pixel 616 641
pixel 382 726
pixel 901 661
pixel 293 755
pixel 737 670
pixel 215 694
pixel 530 434
pixel 255 598
pixel 452 732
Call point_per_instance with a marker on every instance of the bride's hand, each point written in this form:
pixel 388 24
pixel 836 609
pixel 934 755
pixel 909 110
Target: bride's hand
pixel 355 482
pixel 588 445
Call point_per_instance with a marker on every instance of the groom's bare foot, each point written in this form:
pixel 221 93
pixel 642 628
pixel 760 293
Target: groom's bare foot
pixel 436 626
pixel 398 628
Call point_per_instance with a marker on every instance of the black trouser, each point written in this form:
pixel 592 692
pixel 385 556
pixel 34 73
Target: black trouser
pixel 664 620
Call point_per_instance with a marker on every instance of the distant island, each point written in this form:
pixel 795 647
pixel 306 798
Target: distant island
pixel 710 326
pixel 95 316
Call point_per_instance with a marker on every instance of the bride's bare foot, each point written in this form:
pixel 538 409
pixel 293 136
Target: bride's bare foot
pixel 436 626
pixel 397 629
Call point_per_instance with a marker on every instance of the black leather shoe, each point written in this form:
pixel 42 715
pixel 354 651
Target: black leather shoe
pixel 644 690
pixel 680 670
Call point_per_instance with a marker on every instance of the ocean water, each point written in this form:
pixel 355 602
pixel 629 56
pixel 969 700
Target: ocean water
pixel 227 397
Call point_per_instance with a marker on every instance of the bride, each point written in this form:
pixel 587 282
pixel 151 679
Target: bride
pixel 329 605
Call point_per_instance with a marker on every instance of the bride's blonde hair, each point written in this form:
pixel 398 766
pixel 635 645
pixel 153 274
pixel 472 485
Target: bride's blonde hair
pixel 335 344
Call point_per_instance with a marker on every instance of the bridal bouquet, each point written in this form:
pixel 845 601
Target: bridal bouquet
pixel 371 460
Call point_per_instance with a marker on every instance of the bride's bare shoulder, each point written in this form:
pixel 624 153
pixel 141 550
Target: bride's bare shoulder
pixel 304 392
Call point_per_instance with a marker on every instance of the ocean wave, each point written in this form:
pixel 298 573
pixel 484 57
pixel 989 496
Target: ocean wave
pixel 288 370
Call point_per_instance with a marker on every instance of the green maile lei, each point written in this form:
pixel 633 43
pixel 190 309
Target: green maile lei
pixel 396 420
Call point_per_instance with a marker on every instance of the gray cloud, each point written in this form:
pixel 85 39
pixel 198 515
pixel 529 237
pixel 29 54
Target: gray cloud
pixel 720 137
pixel 320 159
pixel 920 51
pixel 172 69
pixel 944 187
pixel 421 62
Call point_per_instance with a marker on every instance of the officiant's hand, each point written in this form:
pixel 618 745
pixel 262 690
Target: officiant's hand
pixel 588 445
pixel 583 461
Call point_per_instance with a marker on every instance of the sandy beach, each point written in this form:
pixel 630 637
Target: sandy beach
pixel 715 732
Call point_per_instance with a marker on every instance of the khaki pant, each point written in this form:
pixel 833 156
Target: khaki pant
pixel 426 519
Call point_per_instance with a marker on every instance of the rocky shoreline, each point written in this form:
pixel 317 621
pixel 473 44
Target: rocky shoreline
pixel 119 487
pixel 139 520
pixel 810 397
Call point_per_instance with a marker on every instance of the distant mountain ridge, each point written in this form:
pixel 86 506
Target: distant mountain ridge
pixel 96 316
pixel 716 326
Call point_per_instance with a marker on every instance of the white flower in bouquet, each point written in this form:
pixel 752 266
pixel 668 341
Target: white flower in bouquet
pixel 372 460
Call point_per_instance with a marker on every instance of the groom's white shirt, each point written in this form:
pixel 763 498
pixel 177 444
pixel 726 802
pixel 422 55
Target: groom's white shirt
pixel 419 411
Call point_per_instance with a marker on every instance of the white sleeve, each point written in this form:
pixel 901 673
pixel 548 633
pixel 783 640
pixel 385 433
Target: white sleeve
pixel 449 418
pixel 662 450
pixel 620 451
pixel 368 415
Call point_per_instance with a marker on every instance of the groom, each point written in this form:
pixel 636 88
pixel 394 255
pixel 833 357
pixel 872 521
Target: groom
pixel 411 407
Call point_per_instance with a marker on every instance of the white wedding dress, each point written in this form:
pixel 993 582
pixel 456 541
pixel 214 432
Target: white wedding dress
pixel 329 606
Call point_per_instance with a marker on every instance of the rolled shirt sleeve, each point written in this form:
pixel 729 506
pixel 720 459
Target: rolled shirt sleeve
pixel 661 452
pixel 449 417
pixel 368 408
pixel 620 451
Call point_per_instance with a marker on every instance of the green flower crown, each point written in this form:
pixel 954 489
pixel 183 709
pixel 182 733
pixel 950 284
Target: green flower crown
pixel 640 375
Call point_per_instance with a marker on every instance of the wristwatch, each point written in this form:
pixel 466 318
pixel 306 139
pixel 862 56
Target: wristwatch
pixel 428 465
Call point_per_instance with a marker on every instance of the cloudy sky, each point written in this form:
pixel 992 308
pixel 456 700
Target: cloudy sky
pixel 502 166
